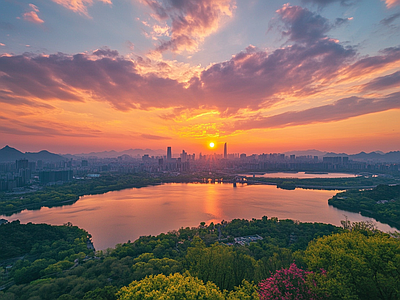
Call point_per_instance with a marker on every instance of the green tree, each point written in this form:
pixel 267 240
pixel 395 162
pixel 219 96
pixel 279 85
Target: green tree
pixel 359 266
pixel 223 265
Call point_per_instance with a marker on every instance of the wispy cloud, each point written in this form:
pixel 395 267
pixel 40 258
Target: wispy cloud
pixel 389 20
pixel 154 137
pixel 79 6
pixel 384 82
pixel 340 110
pixel 31 16
pixel 391 3
pixel 44 128
pixel 191 21
pixel 323 3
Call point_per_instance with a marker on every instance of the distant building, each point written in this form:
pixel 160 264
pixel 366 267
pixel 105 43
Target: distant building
pixel 225 151
pixel 22 164
pixel 169 153
pixel 55 176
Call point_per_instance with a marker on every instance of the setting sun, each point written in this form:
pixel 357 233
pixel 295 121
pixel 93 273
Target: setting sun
pixel 212 145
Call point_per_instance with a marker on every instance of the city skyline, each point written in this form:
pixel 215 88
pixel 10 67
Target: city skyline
pixel 83 76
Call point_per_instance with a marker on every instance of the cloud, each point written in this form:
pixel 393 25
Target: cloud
pixel 322 3
pixel 372 64
pixel 44 128
pixel 105 51
pixel 303 25
pixel 6 26
pixel 340 110
pixel 256 79
pixel 389 20
pixel 252 80
pixel 384 82
pixel 32 16
pixel 154 137
pixel 80 78
pixel 79 6
pixel 191 21
pixel 391 3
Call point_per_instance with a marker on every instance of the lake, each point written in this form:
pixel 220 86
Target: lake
pixel 300 175
pixel 119 216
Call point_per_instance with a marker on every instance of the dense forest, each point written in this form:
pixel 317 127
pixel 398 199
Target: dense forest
pixel 292 260
pixel 382 203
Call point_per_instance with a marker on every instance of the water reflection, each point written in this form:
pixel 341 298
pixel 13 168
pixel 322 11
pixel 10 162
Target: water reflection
pixel 299 175
pixel 119 216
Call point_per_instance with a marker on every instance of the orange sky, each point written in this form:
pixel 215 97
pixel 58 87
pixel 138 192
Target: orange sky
pixel 303 77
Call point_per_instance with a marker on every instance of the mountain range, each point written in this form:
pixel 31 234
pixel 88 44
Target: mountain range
pixel 9 154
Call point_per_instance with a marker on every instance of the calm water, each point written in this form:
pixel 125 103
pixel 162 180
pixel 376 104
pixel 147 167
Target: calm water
pixel 119 216
pixel 300 175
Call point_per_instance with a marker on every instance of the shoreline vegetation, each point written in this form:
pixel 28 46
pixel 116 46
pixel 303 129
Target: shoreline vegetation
pixel 40 261
pixel 69 193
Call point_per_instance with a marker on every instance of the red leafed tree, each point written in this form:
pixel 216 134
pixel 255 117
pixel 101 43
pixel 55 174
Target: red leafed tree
pixel 287 284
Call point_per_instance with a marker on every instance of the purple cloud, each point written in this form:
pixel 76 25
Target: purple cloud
pixel 302 25
pixel 115 81
pixel 254 79
pixel 322 3
pixel 340 110
pixel 373 63
pixel 384 82
pixel 105 51
pixel 389 20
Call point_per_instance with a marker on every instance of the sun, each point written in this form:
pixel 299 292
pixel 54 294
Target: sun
pixel 212 145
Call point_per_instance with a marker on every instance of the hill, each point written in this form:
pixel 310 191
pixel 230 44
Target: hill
pixel 9 154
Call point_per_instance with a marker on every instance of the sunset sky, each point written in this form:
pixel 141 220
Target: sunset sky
pixel 262 75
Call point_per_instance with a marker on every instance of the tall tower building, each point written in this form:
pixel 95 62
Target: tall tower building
pixel 169 154
pixel 225 151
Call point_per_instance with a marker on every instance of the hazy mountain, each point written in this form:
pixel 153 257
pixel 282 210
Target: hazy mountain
pixel 312 152
pixel 9 154
pixel 330 154
pixel 376 156
pixel 393 156
pixel 114 154
pixel 44 155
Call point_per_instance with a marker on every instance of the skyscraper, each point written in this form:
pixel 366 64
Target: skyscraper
pixel 169 156
pixel 225 151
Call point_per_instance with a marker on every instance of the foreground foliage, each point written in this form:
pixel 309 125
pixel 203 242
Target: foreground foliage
pixel 360 263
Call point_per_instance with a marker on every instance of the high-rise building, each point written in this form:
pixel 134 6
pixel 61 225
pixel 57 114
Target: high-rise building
pixel 225 151
pixel 169 154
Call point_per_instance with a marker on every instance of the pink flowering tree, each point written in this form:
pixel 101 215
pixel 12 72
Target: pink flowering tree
pixel 288 284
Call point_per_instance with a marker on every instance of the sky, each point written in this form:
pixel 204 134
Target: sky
pixel 264 76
